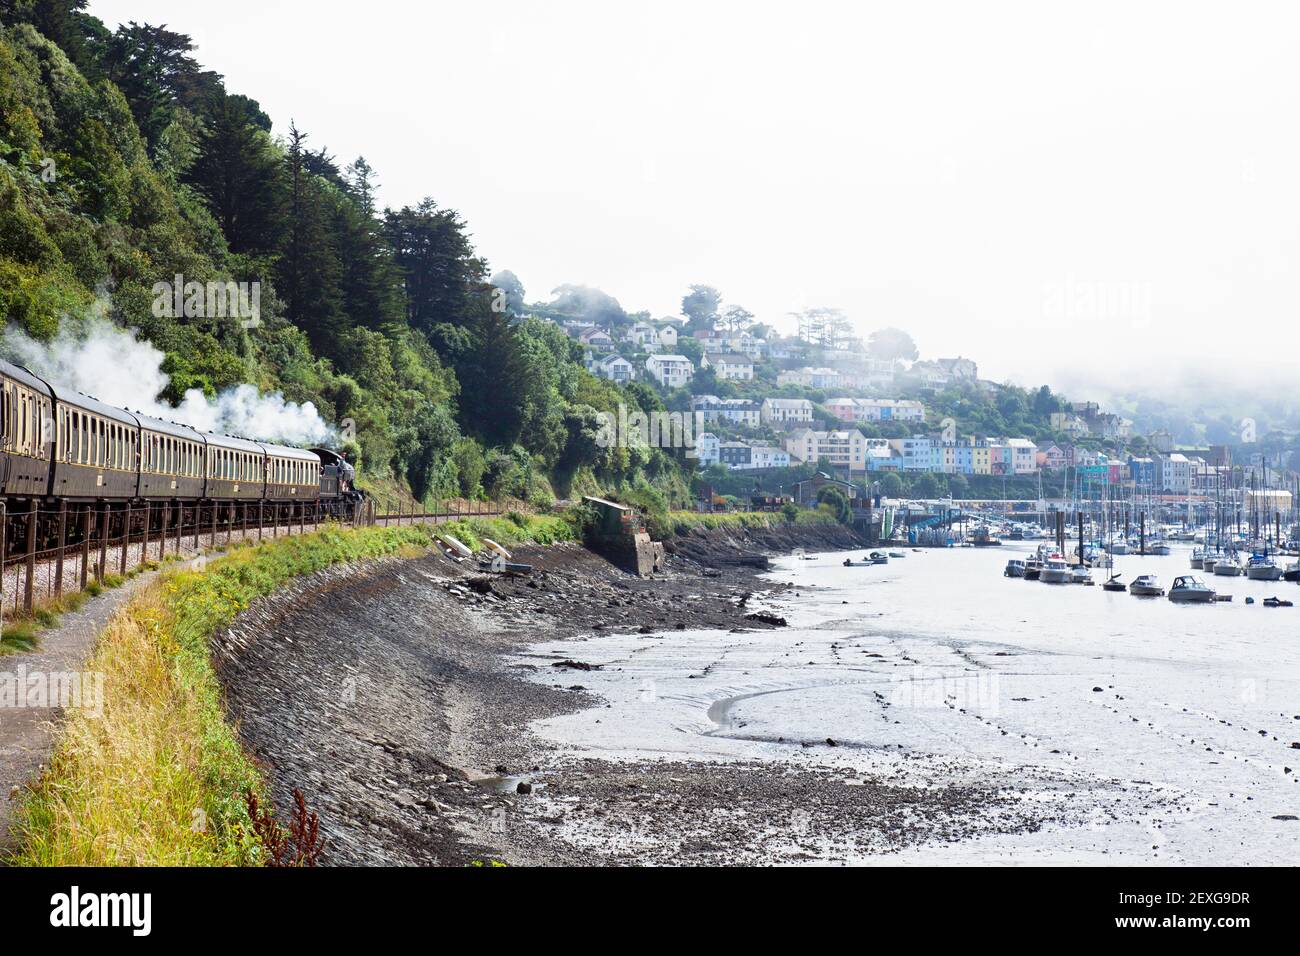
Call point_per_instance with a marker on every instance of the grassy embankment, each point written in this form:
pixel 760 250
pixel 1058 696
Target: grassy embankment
pixel 683 522
pixel 159 777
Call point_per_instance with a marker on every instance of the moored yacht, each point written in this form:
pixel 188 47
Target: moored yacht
pixel 1228 566
pixel 1188 589
pixel 1263 568
pixel 1054 571
pixel 1146 585
pixel 1198 555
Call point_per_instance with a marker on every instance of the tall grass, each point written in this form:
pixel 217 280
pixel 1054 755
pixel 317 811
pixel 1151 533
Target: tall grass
pixel 158 776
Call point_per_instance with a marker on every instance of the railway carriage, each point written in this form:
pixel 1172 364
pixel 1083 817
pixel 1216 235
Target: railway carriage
pixel 26 405
pixel 172 460
pixel 95 450
pixel 236 469
pixel 292 474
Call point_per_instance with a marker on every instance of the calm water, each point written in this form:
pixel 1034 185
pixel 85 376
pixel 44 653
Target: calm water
pixel 938 666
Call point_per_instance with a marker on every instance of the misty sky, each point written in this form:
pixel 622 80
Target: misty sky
pixel 1106 188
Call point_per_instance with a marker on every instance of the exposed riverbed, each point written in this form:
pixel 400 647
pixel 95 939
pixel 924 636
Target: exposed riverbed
pixel 925 711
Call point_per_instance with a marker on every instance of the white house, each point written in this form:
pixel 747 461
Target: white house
pixel 643 334
pixel 706 449
pixel 596 337
pixel 843 449
pixel 666 336
pixel 786 411
pixel 767 456
pixel 670 371
pixel 729 366
pixel 615 368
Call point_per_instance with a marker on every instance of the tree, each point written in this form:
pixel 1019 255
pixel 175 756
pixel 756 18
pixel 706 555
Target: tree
pixel 309 269
pixel 736 318
pixel 700 306
pixel 958 486
pixel 829 328
pixel 890 344
pixel 836 502
pixel 891 486
pixel 509 285
pixel 239 174
pixel 360 178
pixel 436 262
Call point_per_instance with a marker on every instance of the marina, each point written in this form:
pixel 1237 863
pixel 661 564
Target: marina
pixel 1141 731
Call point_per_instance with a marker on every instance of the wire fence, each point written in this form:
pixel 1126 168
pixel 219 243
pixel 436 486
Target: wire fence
pixel 49 550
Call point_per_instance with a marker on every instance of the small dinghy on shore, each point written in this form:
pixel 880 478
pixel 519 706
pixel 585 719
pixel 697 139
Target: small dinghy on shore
pixel 1276 602
pixel 879 557
pixel 864 563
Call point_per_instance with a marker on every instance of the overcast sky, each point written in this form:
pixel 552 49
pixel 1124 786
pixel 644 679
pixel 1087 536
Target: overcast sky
pixel 1108 187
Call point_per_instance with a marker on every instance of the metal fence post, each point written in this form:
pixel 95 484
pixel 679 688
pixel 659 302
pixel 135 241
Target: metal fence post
pixel 30 584
pixel 162 537
pixel 126 539
pixel 103 543
pixel 85 545
pixel 212 541
pixel 63 544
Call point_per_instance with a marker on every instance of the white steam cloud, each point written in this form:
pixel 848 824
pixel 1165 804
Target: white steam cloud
pixel 115 366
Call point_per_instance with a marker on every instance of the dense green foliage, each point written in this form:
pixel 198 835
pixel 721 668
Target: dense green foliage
pixel 124 163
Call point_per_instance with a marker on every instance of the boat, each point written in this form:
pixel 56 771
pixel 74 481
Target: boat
pixel 1198 555
pixel 1015 569
pixel 1209 559
pixel 1189 589
pixel 1261 567
pixel 879 557
pixel 1054 571
pixel 1080 575
pixel 897 554
pixel 1033 567
pixel 864 563
pixel 1158 548
pixel 1276 602
pixel 1292 573
pixel 981 537
pixel 1114 584
pixel 1146 585
pixel 1229 566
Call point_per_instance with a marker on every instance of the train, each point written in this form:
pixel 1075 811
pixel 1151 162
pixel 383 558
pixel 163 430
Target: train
pixel 58 445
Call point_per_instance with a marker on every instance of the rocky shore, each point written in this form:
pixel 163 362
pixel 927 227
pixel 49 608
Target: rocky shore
pixel 397 697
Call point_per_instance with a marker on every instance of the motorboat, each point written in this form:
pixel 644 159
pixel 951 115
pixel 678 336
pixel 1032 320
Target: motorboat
pixel 1261 567
pixel 1015 569
pixel 879 557
pixel 1114 584
pixel 1080 575
pixel 1158 548
pixel 864 563
pixel 1276 602
pixel 1198 555
pixel 1033 567
pixel 982 537
pixel 897 554
pixel 1229 566
pixel 1055 571
pixel 1189 589
pixel 1146 585
pixel 1292 573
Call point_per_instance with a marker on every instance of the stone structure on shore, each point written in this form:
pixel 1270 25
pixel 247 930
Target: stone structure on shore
pixel 621 536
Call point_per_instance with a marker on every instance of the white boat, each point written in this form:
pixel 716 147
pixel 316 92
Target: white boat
pixel 1055 571
pixel 1158 547
pixel 1015 569
pixel 1080 575
pixel 1198 554
pixel 1228 566
pixel 1189 589
pixel 1146 585
pixel 1209 559
pixel 1263 568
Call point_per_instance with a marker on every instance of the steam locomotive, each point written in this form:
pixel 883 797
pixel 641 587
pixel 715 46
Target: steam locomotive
pixel 65 446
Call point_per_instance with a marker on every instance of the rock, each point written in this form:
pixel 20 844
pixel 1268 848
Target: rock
pixel 1285 816
pixel 830 742
pixel 764 618
pixel 524 788
pixel 1096 690
pixel 576 665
